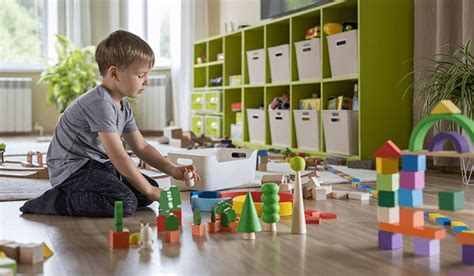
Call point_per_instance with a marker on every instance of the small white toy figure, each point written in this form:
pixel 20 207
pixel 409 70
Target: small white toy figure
pixel 146 237
pixel 189 179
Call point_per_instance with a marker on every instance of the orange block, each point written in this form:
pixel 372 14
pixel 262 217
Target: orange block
pixel 465 238
pixel 231 228
pixel 198 230
pixel 411 217
pixel 118 240
pixel 172 236
pixel 213 227
pixel 420 232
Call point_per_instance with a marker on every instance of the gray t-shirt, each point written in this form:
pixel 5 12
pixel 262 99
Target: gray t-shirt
pixel 76 139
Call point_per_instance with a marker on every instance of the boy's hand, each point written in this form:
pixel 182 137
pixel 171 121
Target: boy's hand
pixel 178 172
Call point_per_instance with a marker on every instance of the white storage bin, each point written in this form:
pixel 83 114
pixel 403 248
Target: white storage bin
pixel 308 57
pixel 219 168
pixel 256 123
pixel 279 63
pixel 343 53
pixel 280 127
pixel 341 131
pixel 307 129
pixel 256 66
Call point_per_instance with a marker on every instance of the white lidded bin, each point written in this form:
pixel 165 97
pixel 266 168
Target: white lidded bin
pixel 256 66
pixel 219 168
pixel 308 57
pixel 343 53
pixel 256 123
pixel 279 63
pixel 280 127
pixel 307 129
pixel 341 131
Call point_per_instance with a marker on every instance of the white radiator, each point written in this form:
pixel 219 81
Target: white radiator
pixel 152 106
pixel 15 105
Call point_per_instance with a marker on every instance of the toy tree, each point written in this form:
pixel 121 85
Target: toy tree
pixel 270 208
pixel 226 212
pixel 249 223
pixel 172 222
pixel 170 200
pixel 213 214
pixel 118 239
pixel 197 216
pixel 197 229
pixel 298 224
pixel 118 216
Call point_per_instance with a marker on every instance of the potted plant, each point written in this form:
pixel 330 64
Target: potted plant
pixel 74 73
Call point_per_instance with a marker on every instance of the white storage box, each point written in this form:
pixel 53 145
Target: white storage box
pixel 219 168
pixel 256 66
pixel 308 57
pixel 280 127
pixel 343 53
pixel 341 131
pixel 279 63
pixel 256 123
pixel 307 129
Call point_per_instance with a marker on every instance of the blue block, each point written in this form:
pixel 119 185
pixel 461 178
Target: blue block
pixel 459 229
pixel 427 213
pixel 410 198
pixel 443 221
pixel 413 163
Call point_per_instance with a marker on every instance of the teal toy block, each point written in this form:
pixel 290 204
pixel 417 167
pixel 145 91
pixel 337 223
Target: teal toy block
pixel 388 198
pixel 451 200
pixel 410 198
pixel 413 163
pixel 459 229
pixel 388 182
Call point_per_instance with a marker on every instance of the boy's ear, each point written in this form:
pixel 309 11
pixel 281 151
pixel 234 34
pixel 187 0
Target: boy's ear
pixel 112 72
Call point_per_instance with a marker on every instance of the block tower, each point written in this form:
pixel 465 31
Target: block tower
pixel 412 180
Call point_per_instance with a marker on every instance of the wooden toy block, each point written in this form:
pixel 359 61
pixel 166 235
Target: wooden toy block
pixel 390 241
pixel 433 216
pixel 451 200
pixel 466 237
pixel 359 196
pixel 12 250
pixel 443 221
pixel 387 199
pixel 119 240
pixel 327 188
pixel 387 165
pixel 308 192
pixel 374 193
pixel 311 213
pixel 468 254
pixel 7 264
pixel 388 150
pixel 287 187
pixel 412 180
pixel 388 215
pixel 411 217
pixel 460 229
pixel 458 223
pixel 47 252
pixel 172 236
pixel 413 163
pixel 355 182
pixel 160 223
pixel 31 253
pixel 328 216
pixel 312 220
pixel 458 140
pixel 446 107
pixel 277 178
pixel 319 193
pixel 198 230
pixel 388 182
pixel 420 232
pixel 213 227
pixel 410 198
pixel 426 247
pixel 340 194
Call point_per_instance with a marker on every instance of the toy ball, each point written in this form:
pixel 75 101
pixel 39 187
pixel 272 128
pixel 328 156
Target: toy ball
pixel 332 28
pixel 134 238
pixel 297 163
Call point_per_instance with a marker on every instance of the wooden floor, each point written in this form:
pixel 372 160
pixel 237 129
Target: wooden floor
pixel 346 246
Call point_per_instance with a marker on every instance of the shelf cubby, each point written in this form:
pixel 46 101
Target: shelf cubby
pixel 233 56
pixel 215 48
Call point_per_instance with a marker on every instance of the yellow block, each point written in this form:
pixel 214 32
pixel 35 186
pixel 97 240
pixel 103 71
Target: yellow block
pixel 468 231
pixel 286 208
pixel 46 251
pixel 446 107
pixel 387 165
pixel 434 216
pixel 374 193
pixel 458 223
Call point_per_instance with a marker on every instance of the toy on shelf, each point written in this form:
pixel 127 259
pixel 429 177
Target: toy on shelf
pixel 270 208
pixel 145 237
pixel 332 28
pixel 118 239
pixel 213 226
pixel 170 203
pixel 298 225
pixel 249 223
pixel 197 229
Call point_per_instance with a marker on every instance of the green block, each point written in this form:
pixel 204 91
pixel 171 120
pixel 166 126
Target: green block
pixel 451 200
pixel 388 198
pixel 118 216
pixel 388 182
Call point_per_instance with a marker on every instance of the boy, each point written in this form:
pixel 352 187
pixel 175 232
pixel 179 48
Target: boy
pixel 88 166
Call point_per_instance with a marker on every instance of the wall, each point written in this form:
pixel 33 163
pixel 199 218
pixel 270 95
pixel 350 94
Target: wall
pixel 222 11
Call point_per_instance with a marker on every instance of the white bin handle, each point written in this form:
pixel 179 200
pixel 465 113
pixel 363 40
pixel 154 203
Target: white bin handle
pixel 255 116
pixel 305 116
pixel 278 54
pixel 334 116
pixel 184 161
pixel 341 42
pixel 306 48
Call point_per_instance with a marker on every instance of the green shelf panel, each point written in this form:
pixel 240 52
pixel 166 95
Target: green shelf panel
pixel 230 96
pixel 253 39
pixel 233 56
pixel 200 50
pixel 200 77
pixel 353 77
pixel 305 82
pixel 215 47
pixel 214 72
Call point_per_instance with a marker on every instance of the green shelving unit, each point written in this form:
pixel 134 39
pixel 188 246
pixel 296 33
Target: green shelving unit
pixel 385 52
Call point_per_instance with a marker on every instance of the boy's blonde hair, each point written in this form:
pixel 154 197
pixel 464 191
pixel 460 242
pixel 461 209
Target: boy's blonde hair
pixel 121 49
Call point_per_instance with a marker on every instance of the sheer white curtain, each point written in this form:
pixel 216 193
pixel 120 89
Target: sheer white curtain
pixel 188 24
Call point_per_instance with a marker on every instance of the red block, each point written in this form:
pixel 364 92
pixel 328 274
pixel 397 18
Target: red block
pixel 312 220
pixel 118 240
pixel 311 213
pixel 160 223
pixel 328 216
pixel 388 150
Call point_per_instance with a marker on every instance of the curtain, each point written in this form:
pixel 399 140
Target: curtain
pixel 188 24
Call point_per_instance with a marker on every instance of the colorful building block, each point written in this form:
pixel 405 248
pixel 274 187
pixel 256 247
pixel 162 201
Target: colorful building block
pixel 198 230
pixel 412 180
pixel 118 240
pixel 433 216
pixel 458 223
pixel 388 182
pixel 388 215
pixel 460 229
pixel 446 107
pixel 411 217
pixel 213 227
pixel 172 236
pixel 328 216
pixel 451 200
pixel 413 163
pixel 410 198
pixel 465 237
pixel 426 247
pixel 388 240
pixel 387 165
pixel 388 150
pixel 31 253
pixel 468 254
pixel 443 221
pixel 420 232
pixel 387 199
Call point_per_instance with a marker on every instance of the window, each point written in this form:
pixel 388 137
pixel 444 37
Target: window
pixel 150 19
pixel 27 31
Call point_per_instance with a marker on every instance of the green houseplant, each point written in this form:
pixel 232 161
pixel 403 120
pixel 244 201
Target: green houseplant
pixel 74 73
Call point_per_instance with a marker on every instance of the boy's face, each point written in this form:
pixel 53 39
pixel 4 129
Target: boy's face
pixel 134 79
